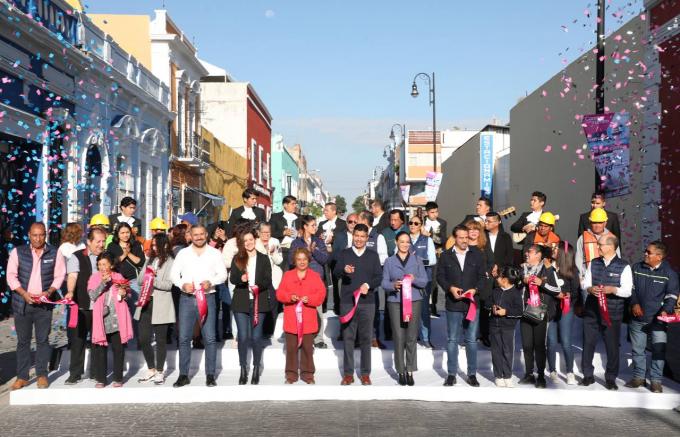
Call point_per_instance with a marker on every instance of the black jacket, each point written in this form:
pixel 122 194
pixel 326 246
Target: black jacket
pixel 439 239
pixel 240 303
pixel 367 270
pixel 340 225
pixel 279 224
pixel 136 223
pixel 503 253
pixel 127 268
pixel 612 223
pixel 449 273
pixel 521 222
pixel 260 217
pixel 383 223
pixel 511 301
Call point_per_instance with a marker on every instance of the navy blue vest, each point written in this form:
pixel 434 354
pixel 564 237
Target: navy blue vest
pixel 609 275
pixel 419 248
pixel 372 242
pixel 47 262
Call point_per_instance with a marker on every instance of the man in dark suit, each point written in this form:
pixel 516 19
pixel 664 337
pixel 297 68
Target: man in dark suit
pixel 528 221
pixel 326 231
pixel 128 206
pixel 380 219
pixel 248 211
pixel 284 224
pixel 597 200
pixel 499 247
pixel 341 241
pixel 435 228
pixel 481 210
pixel 461 274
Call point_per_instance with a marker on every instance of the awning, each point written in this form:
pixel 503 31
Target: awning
pixel 216 200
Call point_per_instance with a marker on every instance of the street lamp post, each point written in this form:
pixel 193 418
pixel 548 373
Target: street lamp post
pixel 414 94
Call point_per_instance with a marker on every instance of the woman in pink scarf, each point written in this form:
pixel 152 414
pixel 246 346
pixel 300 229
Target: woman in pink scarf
pixel 111 321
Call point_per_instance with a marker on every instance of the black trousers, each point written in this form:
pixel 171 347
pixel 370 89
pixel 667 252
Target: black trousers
pixel 502 349
pixel 78 338
pixel 147 332
pixel 360 326
pixel 99 364
pixel 435 287
pixel 593 329
pixel 533 345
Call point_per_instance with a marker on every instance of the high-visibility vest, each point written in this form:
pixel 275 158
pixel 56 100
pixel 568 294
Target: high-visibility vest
pixel 590 248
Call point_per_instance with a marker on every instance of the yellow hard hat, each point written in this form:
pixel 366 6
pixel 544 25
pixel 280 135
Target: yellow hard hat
pixel 99 220
pixel 158 224
pixel 548 218
pixel 598 215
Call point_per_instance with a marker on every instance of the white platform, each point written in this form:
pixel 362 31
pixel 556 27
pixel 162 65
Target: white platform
pixel 429 379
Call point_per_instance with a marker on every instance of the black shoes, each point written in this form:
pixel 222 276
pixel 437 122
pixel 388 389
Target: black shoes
pixel 181 381
pixel 256 375
pixel 587 380
pixel 611 385
pixel 409 379
pixel 228 336
pixel 402 379
pixel 210 381
pixel 472 381
pixel 243 379
pixel 73 380
pixel 540 381
pixel 320 345
pixel 450 381
pixel 528 379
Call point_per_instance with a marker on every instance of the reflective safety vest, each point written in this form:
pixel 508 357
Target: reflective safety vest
pixel 590 249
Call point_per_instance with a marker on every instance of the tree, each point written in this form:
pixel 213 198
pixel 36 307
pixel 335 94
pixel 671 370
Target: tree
pixel 341 204
pixel 314 209
pixel 358 204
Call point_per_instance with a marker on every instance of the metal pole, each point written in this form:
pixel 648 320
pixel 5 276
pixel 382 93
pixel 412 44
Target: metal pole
pixel 599 71
pixel 434 126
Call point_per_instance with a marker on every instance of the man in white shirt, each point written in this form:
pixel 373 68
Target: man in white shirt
pixel 198 266
pixel 612 277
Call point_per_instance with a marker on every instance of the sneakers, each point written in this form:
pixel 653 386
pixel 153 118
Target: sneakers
pixel 99 385
pixel 159 378
pixel 500 382
pixel 150 374
pixel 571 379
pixel 553 376
pixel 117 384
pixel 509 383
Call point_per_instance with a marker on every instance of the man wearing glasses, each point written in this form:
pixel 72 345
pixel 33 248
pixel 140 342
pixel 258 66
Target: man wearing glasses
pixel 655 293
pixel 586 245
pixel 607 283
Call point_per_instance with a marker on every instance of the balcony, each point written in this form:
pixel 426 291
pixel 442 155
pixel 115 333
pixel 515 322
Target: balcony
pixel 194 154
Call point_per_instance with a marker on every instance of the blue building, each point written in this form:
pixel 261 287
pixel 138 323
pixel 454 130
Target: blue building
pixel 285 173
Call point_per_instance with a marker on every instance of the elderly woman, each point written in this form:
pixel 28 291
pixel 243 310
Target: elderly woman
pixel 301 287
pixel 401 267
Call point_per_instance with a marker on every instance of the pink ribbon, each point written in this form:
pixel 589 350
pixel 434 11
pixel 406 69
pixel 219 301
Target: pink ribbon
pixel 472 310
pixel 201 303
pixel 73 315
pixel 298 321
pixel 256 306
pixel 604 309
pixel 147 287
pixel 347 317
pixel 121 283
pixel 566 304
pixel 407 298
pixel 534 297
pixel 675 318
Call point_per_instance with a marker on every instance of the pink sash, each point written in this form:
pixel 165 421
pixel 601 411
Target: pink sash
pixel 147 288
pixel 604 310
pixel 472 310
pixel 566 304
pixel 347 317
pixel 73 315
pixel 256 304
pixel 407 298
pixel 298 321
pixel 673 318
pixel 534 296
pixel 201 303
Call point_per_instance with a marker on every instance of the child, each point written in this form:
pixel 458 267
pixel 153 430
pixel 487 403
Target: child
pixel 506 311
pixel 111 321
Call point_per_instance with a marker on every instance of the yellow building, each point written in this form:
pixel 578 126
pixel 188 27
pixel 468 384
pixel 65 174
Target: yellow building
pixel 226 176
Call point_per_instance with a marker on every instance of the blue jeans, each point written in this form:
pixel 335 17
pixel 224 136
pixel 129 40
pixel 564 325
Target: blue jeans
pixel 455 323
pixel 648 334
pixel 425 321
pixel 188 315
pixel 247 334
pixel 563 327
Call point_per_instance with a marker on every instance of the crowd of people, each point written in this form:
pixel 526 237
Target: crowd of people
pixel 118 286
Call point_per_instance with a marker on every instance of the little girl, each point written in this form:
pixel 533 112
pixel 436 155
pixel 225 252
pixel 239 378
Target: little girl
pixel 506 311
pixel 111 321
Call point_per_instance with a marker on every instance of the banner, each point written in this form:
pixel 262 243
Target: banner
pixel 432 182
pixel 608 138
pixel 486 165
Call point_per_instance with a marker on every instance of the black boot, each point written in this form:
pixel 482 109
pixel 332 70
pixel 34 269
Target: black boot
pixel 243 379
pixel 402 379
pixel 256 375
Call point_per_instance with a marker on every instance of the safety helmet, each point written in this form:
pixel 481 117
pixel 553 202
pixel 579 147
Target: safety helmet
pixel 598 215
pixel 158 224
pixel 99 220
pixel 548 218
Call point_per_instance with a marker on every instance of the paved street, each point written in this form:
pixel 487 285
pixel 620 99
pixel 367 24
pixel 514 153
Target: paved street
pixel 340 419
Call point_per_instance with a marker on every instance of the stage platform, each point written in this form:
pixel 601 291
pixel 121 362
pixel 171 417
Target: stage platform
pixel 428 380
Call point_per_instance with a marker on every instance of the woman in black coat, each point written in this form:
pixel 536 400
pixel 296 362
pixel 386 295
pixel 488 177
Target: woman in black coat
pixel 251 275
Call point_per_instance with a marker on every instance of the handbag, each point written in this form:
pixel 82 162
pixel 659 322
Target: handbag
pixel 535 313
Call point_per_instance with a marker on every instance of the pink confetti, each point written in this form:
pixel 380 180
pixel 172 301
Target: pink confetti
pixel 548 148
pixel 544 93
pixel 564 147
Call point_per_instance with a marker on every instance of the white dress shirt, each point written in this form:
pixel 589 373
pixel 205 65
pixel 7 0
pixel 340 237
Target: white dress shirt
pixel 248 213
pixel 492 241
pixel 190 267
pixel 460 256
pixel 290 218
pixel 382 249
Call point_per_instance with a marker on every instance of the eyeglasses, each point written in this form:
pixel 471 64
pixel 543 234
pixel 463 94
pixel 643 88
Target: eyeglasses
pixel 648 252
pixel 414 223
pixel 351 222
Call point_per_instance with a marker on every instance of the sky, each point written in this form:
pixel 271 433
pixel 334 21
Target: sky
pixel 336 75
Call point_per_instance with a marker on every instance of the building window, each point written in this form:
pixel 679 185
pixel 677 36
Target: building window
pixel 259 164
pixel 126 180
pixel 253 160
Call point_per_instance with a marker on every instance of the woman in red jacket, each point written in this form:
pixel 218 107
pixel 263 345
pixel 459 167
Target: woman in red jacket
pixel 301 291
